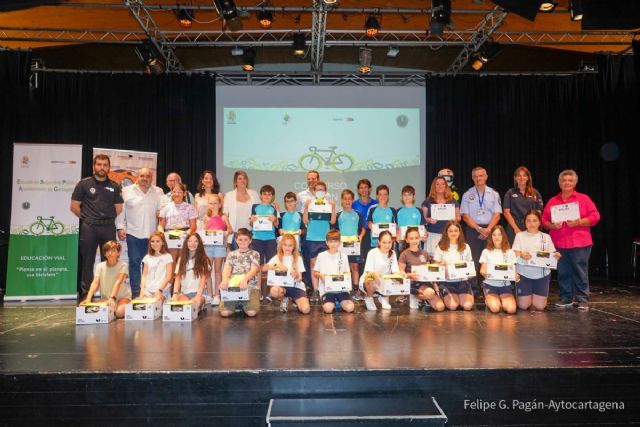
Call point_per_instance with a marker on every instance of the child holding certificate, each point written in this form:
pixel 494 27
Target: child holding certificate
pixel 409 216
pixel 289 261
pixel 381 260
pixel 533 287
pixel 381 215
pixel 351 226
pixel 452 251
pixel 498 257
pixel 216 221
pixel 242 267
pixel 192 271
pixel 331 269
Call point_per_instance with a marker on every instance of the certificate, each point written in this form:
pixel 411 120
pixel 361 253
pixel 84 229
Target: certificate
pixel 461 270
pixel 565 212
pixel 212 237
pixel 262 223
pixel 501 272
pixel 376 229
pixel 233 291
pixel 280 278
pixel 404 228
pixel 443 212
pixel 429 272
pixel 350 245
pixel 175 238
pixel 337 282
pixel 319 209
pixel 543 259
pixel 395 284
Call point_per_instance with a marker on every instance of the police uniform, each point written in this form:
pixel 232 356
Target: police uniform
pixel 97 222
pixel 480 207
pixel 518 205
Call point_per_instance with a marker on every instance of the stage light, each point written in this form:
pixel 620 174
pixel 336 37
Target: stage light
pixel 487 52
pixel 365 55
pixel 265 18
pixel 185 17
pixel 393 51
pixel 228 11
pixel 330 2
pixel 299 44
pixel 478 1
pixel 248 59
pixel 547 6
pixel 147 55
pixel 575 8
pixel 371 26
pixel 440 16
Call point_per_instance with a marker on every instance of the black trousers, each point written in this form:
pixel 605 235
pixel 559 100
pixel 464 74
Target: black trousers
pixel 92 237
pixel 477 246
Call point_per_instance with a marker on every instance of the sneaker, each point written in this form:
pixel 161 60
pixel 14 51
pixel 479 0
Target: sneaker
pixel 370 303
pixel 414 304
pixel 583 305
pixel 284 305
pixel 563 304
pixel 207 300
pixel 215 301
pixel 401 299
pixel 384 303
pixel 268 298
pixel 357 296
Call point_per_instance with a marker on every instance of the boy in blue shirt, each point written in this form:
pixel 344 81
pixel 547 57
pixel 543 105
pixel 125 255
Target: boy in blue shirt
pixel 317 231
pixel 409 215
pixel 381 213
pixel 351 223
pixel 264 214
pixel 291 219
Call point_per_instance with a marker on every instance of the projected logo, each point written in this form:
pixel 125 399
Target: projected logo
pixel 231 117
pixel 327 159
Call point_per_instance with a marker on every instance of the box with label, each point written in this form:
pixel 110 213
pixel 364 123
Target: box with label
pixel 421 229
pixel 179 311
pixel 175 238
pixel 429 272
pixel 233 291
pixel 280 278
pixel 212 237
pixel 337 282
pixel 143 309
pixel 543 259
pixel 95 312
pixel 262 223
pixel 376 229
pixel 320 209
pixel 461 270
pixel 501 271
pixel 350 245
pixel 395 284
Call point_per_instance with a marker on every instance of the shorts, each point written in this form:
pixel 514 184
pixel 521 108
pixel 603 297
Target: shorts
pixel 294 293
pixel 497 290
pixel 332 297
pixel 526 286
pixel 215 251
pixel 192 295
pixel 252 305
pixel 354 259
pixel 266 248
pixel 151 294
pixel 415 287
pixel 462 287
pixel 314 248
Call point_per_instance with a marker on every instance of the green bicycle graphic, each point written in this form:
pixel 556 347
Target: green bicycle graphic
pixel 46 224
pixel 314 160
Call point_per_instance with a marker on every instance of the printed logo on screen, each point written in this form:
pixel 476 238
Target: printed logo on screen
pixel 231 117
pixel 24 162
pixel 402 120
pixel 286 119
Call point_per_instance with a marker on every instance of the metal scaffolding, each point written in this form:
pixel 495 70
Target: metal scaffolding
pixel 318 34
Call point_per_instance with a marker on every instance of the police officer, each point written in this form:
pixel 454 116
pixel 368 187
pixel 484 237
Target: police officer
pixel 97 201
pixel 480 209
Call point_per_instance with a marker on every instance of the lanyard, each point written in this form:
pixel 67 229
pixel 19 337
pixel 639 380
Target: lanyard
pixel 481 199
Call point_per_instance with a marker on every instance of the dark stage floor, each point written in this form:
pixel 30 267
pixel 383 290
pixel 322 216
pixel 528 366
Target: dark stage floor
pixel 42 337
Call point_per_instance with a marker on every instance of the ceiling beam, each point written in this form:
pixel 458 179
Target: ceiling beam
pixel 318 35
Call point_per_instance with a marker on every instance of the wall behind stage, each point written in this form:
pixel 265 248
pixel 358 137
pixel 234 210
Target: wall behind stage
pixel 545 122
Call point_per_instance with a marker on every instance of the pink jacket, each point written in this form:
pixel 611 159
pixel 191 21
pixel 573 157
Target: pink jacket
pixel 572 237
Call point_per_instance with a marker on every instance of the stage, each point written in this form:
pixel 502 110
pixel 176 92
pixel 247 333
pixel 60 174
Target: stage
pixel 224 371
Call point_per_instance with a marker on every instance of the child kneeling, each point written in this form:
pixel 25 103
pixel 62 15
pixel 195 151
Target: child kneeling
pixel 331 262
pixel 192 272
pixel 288 259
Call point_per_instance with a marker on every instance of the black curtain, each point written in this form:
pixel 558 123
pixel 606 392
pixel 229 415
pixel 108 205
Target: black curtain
pixel 548 123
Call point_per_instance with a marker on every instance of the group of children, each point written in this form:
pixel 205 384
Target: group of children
pixel 274 244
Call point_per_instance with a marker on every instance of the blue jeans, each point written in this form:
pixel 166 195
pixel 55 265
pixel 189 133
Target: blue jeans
pixel 137 249
pixel 573 274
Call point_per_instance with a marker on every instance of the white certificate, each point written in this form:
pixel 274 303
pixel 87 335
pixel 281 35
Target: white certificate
pixel 543 259
pixel 320 210
pixel 175 238
pixel 262 223
pixel 393 284
pixel 461 270
pixel 280 278
pixel 404 228
pixel 565 212
pixel 429 272
pixel 379 228
pixel 443 212
pixel 350 245
pixel 501 271
pixel 212 237
pixel 337 282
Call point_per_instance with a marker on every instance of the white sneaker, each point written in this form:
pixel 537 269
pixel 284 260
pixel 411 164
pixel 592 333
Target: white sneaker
pixel 284 305
pixel 370 303
pixel 215 301
pixel 384 303
pixel 207 300
pixel 413 302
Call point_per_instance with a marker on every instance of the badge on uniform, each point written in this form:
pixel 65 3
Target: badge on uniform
pixel 481 212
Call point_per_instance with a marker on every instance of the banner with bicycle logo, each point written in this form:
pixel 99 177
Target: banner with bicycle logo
pixel 43 245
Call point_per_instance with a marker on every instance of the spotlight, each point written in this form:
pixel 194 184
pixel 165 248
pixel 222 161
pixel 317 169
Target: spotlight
pixel 299 44
pixel 237 51
pixel 547 6
pixel 330 2
pixel 149 58
pixel 440 16
pixel 575 8
pixel 478 1
pixel 371 26
pixel 228 11
pixel 265 18
pixel 487 52
pixel 365 60
pixel 248 59
pixel 393 51
pixel 185 17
